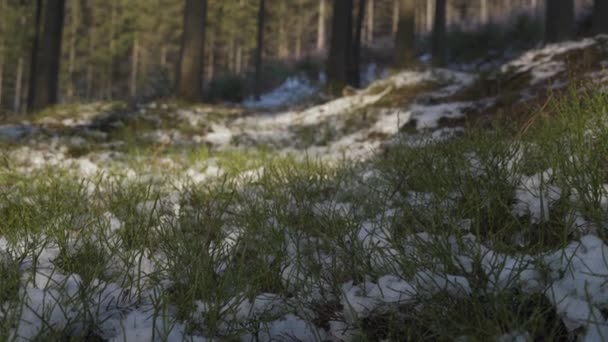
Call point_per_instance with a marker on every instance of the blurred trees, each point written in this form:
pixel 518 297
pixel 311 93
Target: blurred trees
pixel 130 49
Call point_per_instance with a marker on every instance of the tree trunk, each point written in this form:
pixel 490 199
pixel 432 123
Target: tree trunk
pixel 89 22
pixel 559 20
pixel 134 67
pixel 1 75
pixel 72 50
pixel 2 52
pixel 238 58
pixel 405 41
pixel 340 48
pixel 438 39
pixel 370 22
pixel 600 16
pixel 321 32
pixel 190 73
pixel 484 12
pixel 259 49
pixel 395 19
pixel 211 58
pixel 31 92
pixel 18 84
pixel 46 78
pixel 354 74
pixel 430 15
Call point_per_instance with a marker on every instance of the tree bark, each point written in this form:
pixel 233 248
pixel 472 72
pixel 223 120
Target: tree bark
pixel 370 22
pixel 600 16
pixel 484 11
pixel 438 39
pixel 395 19
pixel 2 52
pixel 46 78
pixel 259 49
pixel 405 41
pixel 190 73
pixel 559 20
pixel 72 50
pixel 18 85
pixel 354 74
pixel 134 67
pixel 340 48
pixel 321 32
pixel 31 92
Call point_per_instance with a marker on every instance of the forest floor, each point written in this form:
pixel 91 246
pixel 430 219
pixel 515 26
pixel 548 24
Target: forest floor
pixel 431 205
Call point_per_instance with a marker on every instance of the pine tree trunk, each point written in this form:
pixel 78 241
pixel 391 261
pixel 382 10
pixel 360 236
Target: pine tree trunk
pixel 405 42
pixel 559 20
pixel 1 75
pixel 190 72
pixel 438 39
pixel 211 59
pixel 600 16
pixel 370 22
pixel 484 12
pixel 2 52
pixel 134 67
pixel 395 22
pixel 340 48
pixel 89 22
pixel 354 74
pixel 18 85
pixel 46 78
pixel 430 14
pixel 321 32
pixel 31 92
pixel 238 62
pixel 259 49
pixel 110 85
pixel 72 50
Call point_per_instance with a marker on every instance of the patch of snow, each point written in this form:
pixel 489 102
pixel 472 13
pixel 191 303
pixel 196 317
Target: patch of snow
pixel 293 90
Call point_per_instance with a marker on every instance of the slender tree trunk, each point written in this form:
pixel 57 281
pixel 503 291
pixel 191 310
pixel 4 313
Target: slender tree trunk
pixel 2 52
pixel 340 48
pixel 430 14
pixel 283 40
pixel 238 58
pixel 259 49
pixel 190 73
pixel 600 16
pixel 354 74
pixel 484 12
pixel 405 42
pixel 18 85
pixel 110 86
pixel 211 58
pixel 321 32
pixel 1 75
pixel 46 79
pixel 134 67
pixel 438 40
pixel 89 22
pixel 559 20
pixel 321 24
pixel 395 21
pixel 72 52
pixel 370 22
pixel 34 54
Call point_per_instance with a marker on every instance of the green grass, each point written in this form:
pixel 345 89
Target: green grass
pixel 233 239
